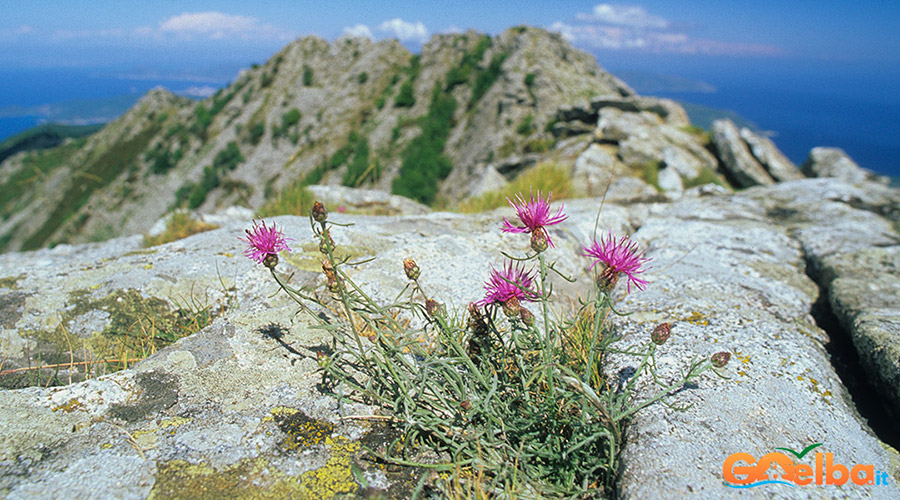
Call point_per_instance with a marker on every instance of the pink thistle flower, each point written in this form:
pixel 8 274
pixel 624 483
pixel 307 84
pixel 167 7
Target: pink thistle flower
pixel 265 242
pixel 621 257
pixel 534 214
pixel 507 283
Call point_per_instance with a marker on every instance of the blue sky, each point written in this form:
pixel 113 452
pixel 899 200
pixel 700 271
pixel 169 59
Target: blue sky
pixel 201 35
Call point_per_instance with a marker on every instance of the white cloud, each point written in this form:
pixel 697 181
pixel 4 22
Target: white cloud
pixel 217 26
pixel 631 27
pixel 633 16
pixel 405 31
pixel 198 91
pixel 359 31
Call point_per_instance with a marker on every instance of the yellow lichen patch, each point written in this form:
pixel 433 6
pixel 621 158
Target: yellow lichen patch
pixel 257 479
pixel 695 318
pixel 814 387
pixel 336 476
pixel 70 406
pixel 174 422
pixel 10 281
pixel 145 439
pixel 248 479
pixel 743 359
pixel 309 258
pixel 301 431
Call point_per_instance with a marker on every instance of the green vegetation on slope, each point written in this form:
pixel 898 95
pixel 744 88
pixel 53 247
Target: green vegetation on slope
pixel 424 163
pixel 43 137
pixel 546 178
pixel 95 174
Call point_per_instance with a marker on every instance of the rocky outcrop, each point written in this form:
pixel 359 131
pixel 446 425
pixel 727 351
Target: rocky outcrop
pixel 770 157
pixel 738 161
pixel 367 201
pixel 834 162
pixel 237 405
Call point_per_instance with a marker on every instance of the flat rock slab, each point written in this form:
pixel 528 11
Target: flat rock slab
pixel 237 407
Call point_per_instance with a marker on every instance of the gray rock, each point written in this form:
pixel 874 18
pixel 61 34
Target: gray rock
pixel 595 168
pixel 366 200
pixel 852 252
pixel 669 180
pixel 224 405
pixel 736 157
pixel 491 180
pixel 576 113
pixel 731 249
pixel 563 130
pixel 833 162
pixel 670 111
pixel 764 150
pixel 645 138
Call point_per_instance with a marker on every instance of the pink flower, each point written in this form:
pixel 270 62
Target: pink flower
pixel 264 241
pixel 620 257
pixel 509 282
pixel 534 214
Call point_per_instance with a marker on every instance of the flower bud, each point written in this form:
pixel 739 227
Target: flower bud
pixel 720 359
pixel 608 279
pixel 526 316
pixel 319 214
pixel 411 269
pixel 328 269
pixel 661 333
pixel 511 307
pixel 271 260
pixel 432 307
pixel 539 241
pixel 476 324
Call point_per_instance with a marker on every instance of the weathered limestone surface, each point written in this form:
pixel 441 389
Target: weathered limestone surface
pixel 237 407
pixel 834 162
pixel 770 157
pixel 736 157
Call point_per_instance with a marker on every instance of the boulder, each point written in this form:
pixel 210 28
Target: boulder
pixel 670 111
pixel 736 157
pixel 645 138
pixel 764 150
pixel 366 200
pixel 834 162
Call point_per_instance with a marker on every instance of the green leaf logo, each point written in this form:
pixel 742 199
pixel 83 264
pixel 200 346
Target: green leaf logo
pixel 802 453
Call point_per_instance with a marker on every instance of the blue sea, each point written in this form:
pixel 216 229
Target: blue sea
pixel 29 97
pixel 856 109
pixel 867 130
pixel 802 104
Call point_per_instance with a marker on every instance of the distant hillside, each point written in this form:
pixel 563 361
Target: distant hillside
pixel 354 112
pixel 43 137
pixel 704 116
pixel 655 83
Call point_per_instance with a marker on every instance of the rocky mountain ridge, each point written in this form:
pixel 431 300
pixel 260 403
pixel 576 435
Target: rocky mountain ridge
pixel 462 118
pixel 349 112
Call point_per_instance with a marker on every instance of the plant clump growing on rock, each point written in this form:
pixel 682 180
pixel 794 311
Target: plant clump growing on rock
pixel 511 393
